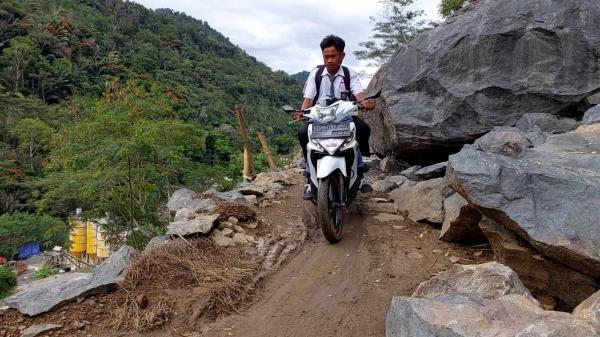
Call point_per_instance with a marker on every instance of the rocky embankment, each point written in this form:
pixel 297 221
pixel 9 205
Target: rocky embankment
pixel 505 96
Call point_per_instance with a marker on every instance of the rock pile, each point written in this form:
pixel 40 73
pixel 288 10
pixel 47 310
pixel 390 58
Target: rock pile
pixel 486 300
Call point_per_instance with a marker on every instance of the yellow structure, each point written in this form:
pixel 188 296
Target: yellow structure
pixel 91 240
pixel 78 238
pixel 103 248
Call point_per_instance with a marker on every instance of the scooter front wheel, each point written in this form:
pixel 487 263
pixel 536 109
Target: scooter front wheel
pixel 329 211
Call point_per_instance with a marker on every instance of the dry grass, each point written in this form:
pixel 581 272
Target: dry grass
pixel 193 277
pixel 242 212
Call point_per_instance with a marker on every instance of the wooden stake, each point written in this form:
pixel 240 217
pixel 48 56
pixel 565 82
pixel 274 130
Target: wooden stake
pixel 249 172
pixel 267 150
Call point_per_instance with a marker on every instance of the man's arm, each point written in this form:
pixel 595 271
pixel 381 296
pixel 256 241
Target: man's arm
pixel 367 105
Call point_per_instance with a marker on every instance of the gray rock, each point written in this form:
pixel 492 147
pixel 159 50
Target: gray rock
pixel 389 165
pixel 547 195
pixel 476 71
pixel 38 329
pixel 592 115
pixel 157 241
pixel 541 275
pixel 185 198
pixel 251 189
pixel 462 316
pixel 388 183
pixel 461 222
pixel 546 122
pixel 43 295
pixel 221 240
pixel 410 172
pixel 252 199
pixel 423 201
pixel 490 281
pixel 594 99
pixel 230 196
pixel 433 171
pixel 506 141
pixel 201 224
pixel 589 310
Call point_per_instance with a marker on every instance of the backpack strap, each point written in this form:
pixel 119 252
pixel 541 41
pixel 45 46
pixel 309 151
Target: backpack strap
pixel 347 83
pixel 318 78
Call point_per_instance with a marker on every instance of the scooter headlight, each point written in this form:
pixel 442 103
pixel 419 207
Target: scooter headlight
pixel 331 145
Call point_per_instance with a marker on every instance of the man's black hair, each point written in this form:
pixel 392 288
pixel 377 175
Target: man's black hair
pixel 332 40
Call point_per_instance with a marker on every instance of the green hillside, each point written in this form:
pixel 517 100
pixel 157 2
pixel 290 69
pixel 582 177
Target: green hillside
pixel 110 106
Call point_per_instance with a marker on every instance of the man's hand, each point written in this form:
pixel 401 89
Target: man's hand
pixel 298 115
pixel 368 105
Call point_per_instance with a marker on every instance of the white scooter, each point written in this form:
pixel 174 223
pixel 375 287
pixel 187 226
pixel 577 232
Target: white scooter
pixel 332 160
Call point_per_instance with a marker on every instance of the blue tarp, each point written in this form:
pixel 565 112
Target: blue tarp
pixel 28 250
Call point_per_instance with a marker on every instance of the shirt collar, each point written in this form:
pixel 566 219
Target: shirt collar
pixel 340 72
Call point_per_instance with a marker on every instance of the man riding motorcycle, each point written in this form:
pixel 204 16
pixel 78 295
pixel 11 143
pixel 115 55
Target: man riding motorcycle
pixel 335 81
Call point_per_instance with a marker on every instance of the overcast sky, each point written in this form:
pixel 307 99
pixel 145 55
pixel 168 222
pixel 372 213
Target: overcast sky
pixel 285 34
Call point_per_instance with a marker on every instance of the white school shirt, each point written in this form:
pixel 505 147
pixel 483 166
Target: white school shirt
pixel 310 88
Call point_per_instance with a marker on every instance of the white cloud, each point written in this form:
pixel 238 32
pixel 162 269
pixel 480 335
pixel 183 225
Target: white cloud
pixel 285 34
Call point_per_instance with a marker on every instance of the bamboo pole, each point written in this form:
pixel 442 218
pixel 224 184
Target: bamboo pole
pixel 267 150
pixel 249 172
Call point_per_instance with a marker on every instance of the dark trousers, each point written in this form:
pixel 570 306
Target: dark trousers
pixel 363 132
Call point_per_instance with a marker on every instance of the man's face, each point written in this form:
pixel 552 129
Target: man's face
pixel 332 58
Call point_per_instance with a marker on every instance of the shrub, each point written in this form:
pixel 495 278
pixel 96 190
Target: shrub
pixel 44 272
pixel 7 281
pixel 19 228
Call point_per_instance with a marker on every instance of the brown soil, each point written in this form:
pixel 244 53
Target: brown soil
pixel 324 290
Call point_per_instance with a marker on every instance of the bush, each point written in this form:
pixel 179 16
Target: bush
pixel 7 281
pixel 44 272
pixel 19 228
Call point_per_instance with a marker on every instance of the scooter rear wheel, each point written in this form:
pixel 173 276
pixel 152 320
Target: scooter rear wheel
pixel 329 213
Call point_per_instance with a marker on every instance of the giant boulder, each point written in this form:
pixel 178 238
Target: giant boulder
pixel 458 315
pixel 547 194
pixel 486 66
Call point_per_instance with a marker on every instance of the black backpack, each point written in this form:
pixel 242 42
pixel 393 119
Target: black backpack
pixel 318 78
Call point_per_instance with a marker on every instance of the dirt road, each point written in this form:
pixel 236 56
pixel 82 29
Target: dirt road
pixel 324 290
pixel 344 289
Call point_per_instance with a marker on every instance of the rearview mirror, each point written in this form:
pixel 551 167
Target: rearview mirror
pixel 288 108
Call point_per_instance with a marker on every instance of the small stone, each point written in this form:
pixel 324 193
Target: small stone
pixel 478 254
pixel 225 224
pixel 399 227
pixel 240 238
pixel 249 238
pixel 227 231
pixel 38 329
pixel 252 199
pixel 415 255
pixel 239 229
pixel 141 301
pixel 547 302
pixel 437 251
pixel 251 225
pixel 233 220
pixel 78 325
pixel 454 259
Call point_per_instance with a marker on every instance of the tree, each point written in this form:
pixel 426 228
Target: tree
pixel 448 7
pixel 34 135
pixel 123 158
pixel 398 26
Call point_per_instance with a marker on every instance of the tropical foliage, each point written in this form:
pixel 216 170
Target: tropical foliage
pixel 109 106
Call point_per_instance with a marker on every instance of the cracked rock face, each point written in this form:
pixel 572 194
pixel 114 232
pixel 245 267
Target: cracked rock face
pixel 486 67
pixel 547 194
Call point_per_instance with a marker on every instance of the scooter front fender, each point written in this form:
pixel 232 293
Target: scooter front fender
pixel 328 164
